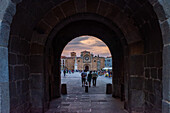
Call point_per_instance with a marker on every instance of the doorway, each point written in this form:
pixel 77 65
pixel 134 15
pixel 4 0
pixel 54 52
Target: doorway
pixel 86 68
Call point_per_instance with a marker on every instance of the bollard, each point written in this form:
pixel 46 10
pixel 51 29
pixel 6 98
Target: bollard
pixel 86 88
pixel 63 89
pixel 109 88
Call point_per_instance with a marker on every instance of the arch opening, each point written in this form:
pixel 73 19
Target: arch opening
pixel 116 49
pixel 87 53
pixel 147 51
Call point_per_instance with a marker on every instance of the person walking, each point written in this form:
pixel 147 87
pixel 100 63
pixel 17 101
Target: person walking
pixel 89 77
pixel 83 77
pixel 94 77
pixel 64 72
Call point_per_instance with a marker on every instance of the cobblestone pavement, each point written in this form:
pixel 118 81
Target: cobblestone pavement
pixel 77 101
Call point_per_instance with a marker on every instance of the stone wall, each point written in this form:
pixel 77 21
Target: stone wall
pixel 70 63
pixel 30 13
pixel 153 82
pixel 19 69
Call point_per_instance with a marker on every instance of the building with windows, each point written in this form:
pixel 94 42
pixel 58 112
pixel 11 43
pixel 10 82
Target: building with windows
pixel 86 61
pixel 108 61
pixel 62 62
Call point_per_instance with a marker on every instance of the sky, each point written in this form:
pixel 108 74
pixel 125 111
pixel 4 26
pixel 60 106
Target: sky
pixel 88 43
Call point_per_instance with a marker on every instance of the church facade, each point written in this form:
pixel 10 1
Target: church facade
pixel 86 61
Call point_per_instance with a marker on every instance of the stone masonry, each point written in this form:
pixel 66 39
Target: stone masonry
pixel 34 33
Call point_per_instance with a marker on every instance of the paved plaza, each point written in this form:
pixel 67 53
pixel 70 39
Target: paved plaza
pixel 74 84
pixel 77 101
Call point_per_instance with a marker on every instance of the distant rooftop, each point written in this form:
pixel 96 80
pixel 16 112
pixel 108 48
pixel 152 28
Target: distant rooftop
pixel 85 51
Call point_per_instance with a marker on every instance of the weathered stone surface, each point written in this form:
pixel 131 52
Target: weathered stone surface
pixel 158 59
pixel 12 58
pixel 151 98
pixel 150 60
pixel 147 73
pixel 10 11
pixel 90 5
pixel 19 72
pixel 166 88
pixel 154 73
pixel 16 1
pixel 136 65
pixel 165 31
pixel 159 11
pixel 51 19
pixel 25 86
pixel 37 81
pixel 152 1
pixel 166 64
pixel 160 74
pixel 43 27
pixel 5 99
pixel 148 85
pixel 157 85
pixel 30 12
pixel 137 100
pixel 19 88
pixel 4 34
pixel 57 11
pixel 37 49
pixel 165 106
pixel 3 6
pixel 21 59
pixel 39 38
pixel 13 90
pixel 68 8
pixel 137 83
pixel 80 5
pixel 11 73
pixel 148 107
pixel 165 4
pixel 36 63
pixel 37 97
pixel 103 8
pixel 4 64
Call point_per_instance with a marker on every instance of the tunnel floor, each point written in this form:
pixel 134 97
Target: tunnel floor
pixel 77 101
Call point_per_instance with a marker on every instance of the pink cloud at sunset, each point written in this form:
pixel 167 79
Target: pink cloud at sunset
pixel 88 43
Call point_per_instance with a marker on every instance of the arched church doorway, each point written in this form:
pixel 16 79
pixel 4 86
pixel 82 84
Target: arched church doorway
pixel 86 68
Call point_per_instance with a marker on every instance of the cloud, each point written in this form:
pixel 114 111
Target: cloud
pixel 76 47
pixel 89 43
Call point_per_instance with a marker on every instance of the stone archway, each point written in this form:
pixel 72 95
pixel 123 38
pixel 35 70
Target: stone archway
pixel 21 46
pixel 86 67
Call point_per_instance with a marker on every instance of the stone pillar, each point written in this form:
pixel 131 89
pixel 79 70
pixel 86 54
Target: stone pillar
pixel 166 80
pixel 136 84
pixel 165 28
pixel 37 83
pixel 117 77
pixel 4 79
pixel 7 11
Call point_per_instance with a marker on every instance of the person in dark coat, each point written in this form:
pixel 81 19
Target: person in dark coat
pixel 89 77
pixel 64 73
pixel 94 77
pixel 83 77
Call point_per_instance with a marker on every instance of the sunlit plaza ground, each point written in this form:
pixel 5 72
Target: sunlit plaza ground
pixel 74 84
pixel 78 101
